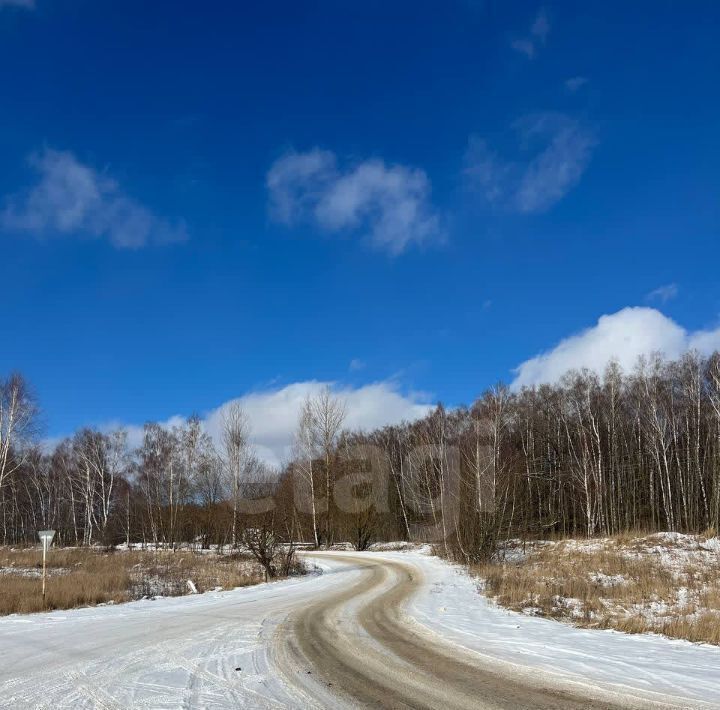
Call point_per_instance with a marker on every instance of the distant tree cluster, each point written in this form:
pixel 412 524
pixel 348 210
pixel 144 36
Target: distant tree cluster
pixel 586 456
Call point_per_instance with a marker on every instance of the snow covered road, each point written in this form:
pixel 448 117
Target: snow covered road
pixel 381 630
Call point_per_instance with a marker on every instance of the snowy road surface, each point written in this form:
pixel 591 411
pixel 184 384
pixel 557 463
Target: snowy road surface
pixel 374 630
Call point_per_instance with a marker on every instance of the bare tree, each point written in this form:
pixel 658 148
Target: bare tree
pixel 157 479
pixel 209 488
pixel 236 450
pixel 101 460
pixel 18 413
pixel 268 535
pixel 326 415
pixel 304 454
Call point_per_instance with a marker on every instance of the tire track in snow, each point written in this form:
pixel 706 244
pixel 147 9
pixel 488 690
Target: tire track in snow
pixel 373 656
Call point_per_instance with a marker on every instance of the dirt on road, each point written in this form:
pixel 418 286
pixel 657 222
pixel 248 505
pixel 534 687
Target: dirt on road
pixel 357 644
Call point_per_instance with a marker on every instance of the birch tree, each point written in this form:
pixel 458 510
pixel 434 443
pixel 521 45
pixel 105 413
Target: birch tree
pixel 18 413
pixel 235 439
pixel 326 415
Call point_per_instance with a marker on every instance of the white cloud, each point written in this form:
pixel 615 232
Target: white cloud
pixel 623 336
pixel 390 203
pixel 663 293
pixel 72 198
pixel 539 31
pixel 356 364
pixel 486 172
pixel 273 414
pixel 563 148
pixel 297 181
pixel 541 26
pixel 553 172
pixel 524 46
pixel 26 4
pixel 575 83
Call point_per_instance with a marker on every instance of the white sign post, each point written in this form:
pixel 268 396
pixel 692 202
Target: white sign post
pixel 46 538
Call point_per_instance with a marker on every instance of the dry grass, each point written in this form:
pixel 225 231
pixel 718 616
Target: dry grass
pixel 662 584
pixel 83 577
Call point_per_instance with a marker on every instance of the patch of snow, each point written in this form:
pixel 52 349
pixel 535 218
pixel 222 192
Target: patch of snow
pixel 608 580
pixel 711 545
pixel 569 605
pixel 33 572
pixel 515 551
pixel 401 546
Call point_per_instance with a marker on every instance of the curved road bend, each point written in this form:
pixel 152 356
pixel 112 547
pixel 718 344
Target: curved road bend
pixel 355 642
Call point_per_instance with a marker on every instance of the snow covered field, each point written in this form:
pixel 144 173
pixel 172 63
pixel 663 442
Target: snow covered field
pixel 79 577
pixel 221 649
pixel 666 582
pixel 162 653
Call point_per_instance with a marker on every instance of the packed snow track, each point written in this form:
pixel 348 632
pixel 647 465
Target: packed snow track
pixel 390 630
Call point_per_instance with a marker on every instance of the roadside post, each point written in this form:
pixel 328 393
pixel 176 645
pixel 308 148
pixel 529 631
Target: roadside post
pixel 46 538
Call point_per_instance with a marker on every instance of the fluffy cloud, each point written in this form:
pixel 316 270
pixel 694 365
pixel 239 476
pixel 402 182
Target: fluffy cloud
pixel 563 149
pixel 273 414
pixel 72 198
pixel 390 203
pixel 623 336
pixel 537 36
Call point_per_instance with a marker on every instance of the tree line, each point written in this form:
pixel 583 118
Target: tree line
pixel 588 455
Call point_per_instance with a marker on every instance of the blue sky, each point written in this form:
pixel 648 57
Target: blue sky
pixel 201 202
